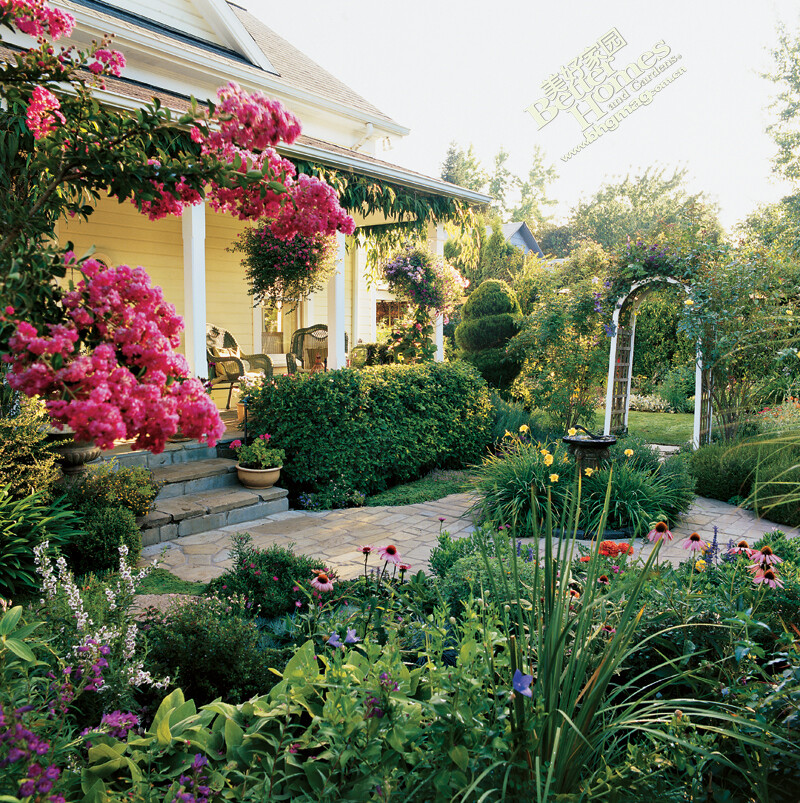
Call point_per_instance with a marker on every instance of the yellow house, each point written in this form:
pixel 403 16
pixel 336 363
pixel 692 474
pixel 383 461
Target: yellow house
pixel 176 49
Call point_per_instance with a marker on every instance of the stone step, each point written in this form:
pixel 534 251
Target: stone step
pixel 196 476
pixel 183 452
pixel 194 513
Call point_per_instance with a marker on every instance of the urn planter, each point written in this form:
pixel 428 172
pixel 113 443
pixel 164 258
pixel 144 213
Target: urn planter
pixel 258 477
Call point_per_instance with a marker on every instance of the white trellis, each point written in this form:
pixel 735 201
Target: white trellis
pixel 620 370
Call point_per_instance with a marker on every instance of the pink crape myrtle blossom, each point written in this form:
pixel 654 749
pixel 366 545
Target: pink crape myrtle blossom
pixel 43 113
pixel 35 18
pixel 126 382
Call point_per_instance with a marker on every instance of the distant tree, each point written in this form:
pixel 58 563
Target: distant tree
pixel 786 130
pixel 641 206
pixel 533 202
pixel 463 168
pixel 502 180
pixel 557 240
pixel 775 225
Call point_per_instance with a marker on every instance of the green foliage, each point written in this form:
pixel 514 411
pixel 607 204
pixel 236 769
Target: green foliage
pixel 261 581
pixel 786 74
pixel 514 486
pixel 25 523
pixel 775 488
pixel 284 272
pixel 678 387
pixel 449 550
pixel 207 649
pixel 111 485
pixel 563 343
pixel 434 486
pixel 490 318
pixel 723 471
pixel 640 206
pixel 258 455
pixel 492 297
pixel 376 427
pixel 660 345
pixel 27 463
pixel 510 417
pixel 463 168
pixel 106 529
pixel 162 581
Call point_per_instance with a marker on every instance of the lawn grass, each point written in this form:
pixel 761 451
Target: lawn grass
pixel 436 485
pixel 673 429
pixel 162 581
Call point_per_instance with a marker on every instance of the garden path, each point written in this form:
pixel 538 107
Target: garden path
pixel 335 535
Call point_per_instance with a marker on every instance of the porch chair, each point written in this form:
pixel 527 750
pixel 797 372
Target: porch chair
pixel 312 337
pixel 226 363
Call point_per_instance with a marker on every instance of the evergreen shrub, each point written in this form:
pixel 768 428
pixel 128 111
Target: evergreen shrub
pixel 370 429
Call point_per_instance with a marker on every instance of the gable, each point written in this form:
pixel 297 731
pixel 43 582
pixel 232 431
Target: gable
pixel 206 21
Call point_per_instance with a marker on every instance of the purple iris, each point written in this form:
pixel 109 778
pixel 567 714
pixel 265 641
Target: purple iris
pixel 522 683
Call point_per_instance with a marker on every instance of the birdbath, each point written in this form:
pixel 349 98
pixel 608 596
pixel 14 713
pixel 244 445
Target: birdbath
pixel 590 450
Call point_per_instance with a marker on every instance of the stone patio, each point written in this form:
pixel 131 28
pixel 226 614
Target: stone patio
pixel 335 535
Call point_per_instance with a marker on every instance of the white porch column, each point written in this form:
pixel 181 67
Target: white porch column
pixel 193 226
pixel 437 237
pixel 361 296
pixel 336 354
pixel 258 326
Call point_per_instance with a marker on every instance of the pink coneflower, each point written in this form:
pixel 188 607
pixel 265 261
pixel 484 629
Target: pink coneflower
pixel 389 553
pixel 764 556
pixel 694 542
pixel 660 532
pixel 366 550
pixel 322 582
pixel 769 577
pixel 404 567
pixel 604 580
pixel 742 548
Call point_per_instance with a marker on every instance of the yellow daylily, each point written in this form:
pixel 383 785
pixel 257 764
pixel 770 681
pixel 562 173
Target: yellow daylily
pixel 544 452
pixel 572 431
pixel 548 460
pixel 588 472
pixel 554 478
pixel 508 435
pixel 628 453
pixel 524 428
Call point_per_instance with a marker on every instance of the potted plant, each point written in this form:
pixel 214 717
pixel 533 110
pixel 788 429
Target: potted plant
pixel 259 466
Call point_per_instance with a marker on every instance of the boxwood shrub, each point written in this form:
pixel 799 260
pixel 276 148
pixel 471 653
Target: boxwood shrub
pixel 371 428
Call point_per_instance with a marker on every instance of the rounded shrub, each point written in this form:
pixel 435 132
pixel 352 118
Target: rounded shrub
pixel 106 528
pixel 492 297
pixel 209 652
pixel 490 319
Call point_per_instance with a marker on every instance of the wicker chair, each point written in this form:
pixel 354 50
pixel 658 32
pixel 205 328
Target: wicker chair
pixel 313 337
pixel 226 363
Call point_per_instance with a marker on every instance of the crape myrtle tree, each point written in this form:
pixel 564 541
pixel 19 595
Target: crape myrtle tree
pixel 100 351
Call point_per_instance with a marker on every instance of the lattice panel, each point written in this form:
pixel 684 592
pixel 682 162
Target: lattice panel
pixel 706 411
pixel 619 384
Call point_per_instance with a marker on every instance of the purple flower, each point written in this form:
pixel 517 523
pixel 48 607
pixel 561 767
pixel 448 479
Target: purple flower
pixel 334 641
pixel 351 637
pixel 521 683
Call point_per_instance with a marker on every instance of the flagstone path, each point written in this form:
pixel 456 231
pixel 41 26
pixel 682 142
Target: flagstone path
pixel 335 535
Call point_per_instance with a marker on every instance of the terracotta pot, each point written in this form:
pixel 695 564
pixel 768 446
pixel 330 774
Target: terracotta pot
pixel 258 477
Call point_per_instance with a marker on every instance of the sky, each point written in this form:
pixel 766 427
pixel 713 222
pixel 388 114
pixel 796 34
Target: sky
pixel 466 72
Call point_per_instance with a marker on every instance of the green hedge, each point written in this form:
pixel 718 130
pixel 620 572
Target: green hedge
pixel 375 427
pixel 486 333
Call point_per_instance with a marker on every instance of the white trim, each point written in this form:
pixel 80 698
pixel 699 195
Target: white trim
pixel 258 326
pixel 193 229
pixel 382 170
pixel 336 355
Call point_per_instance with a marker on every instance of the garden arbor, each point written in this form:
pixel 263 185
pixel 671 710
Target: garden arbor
pixel 620 365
